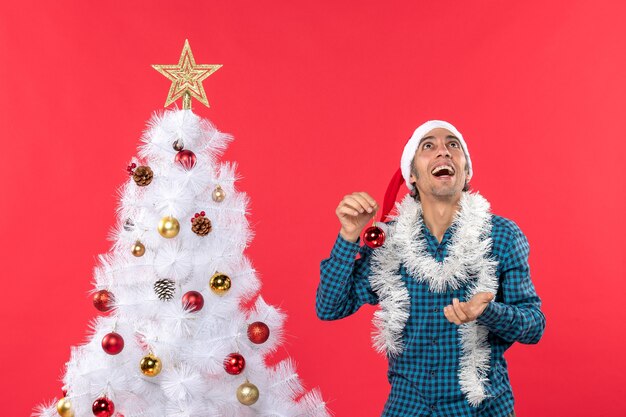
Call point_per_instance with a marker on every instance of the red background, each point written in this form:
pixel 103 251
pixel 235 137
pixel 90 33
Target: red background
pixel 321 97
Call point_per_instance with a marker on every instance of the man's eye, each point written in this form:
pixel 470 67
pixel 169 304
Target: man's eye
pixel 454 144
pixel 427 146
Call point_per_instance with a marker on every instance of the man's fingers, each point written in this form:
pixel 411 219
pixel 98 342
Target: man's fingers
pixel 368 198
pixel 488 297
pixel 451 315
pixel 347 209
pixel 458 309
pixel 357 202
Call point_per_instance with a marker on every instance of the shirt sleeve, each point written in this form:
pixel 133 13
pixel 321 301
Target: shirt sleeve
pixel 344 281
pixel 516 314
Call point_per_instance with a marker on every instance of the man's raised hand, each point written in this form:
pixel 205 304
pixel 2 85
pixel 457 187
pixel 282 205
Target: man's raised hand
pixel 354 213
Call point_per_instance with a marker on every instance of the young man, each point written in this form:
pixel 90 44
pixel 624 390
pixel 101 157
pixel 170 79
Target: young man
pixel 452 280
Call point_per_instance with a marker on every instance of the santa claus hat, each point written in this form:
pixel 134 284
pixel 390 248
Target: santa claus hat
pixel 407 156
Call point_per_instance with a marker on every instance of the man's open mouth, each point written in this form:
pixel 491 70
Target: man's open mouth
pixel 443 171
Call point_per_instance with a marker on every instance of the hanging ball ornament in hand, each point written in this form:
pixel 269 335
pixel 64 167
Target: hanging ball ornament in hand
pixel 112 343
pixel 103 300
pixel 218 194
pixel 234 364
pixel 150 365
pixel 258 332
pixel 168 227
pixel 247 393
pixel 103 407
pixel 219 283
pixel 374 237
pixel 64 408
pixel 186 159
pixel 138 249
pixel 193 301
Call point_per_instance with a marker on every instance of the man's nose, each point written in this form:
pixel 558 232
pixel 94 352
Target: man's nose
pixel 442 150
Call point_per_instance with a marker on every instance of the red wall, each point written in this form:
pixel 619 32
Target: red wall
pixel 321 97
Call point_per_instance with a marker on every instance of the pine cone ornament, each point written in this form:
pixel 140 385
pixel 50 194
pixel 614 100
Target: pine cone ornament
pixel 200 224
pixel 164 289
pixel 143 175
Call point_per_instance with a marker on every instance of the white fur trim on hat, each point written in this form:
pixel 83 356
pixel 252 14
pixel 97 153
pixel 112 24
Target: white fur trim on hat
pixel 411 147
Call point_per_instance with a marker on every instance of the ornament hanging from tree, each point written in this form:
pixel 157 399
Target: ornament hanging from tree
pixel 143 176
pixel 64 407
pixel 218 194
pixel 103 407
pixel 112 343
pixel 150 365
pixel 138 249
pixel 193 301
pixel 168 227
pixel 258 332
pixel 219 283
pixel 247 393
pixel 164 289
pixel 103 300
pixel 234 364
pixel 200 224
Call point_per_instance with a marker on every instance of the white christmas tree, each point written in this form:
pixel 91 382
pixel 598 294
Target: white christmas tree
pixel 175 339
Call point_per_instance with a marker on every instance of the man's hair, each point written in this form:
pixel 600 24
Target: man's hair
pixel 416 194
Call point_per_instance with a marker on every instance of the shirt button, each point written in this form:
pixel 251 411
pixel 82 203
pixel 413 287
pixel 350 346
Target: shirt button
pixel 434 342
pixel 433 407
pixel 433 373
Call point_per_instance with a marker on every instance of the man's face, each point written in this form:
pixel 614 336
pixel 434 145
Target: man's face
pixel 440 165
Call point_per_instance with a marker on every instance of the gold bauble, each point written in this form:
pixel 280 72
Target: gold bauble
pixel 247 393
pixel 219 283
pixel 138 249
pixel 169 227
pixel 218 194
pixel 64 408
pixel 150 365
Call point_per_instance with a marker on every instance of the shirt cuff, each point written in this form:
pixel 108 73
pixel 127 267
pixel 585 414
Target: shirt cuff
pixel 492 314
pixel 344 250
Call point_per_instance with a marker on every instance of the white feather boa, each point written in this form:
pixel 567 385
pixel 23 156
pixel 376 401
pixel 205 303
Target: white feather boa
pixel 468 264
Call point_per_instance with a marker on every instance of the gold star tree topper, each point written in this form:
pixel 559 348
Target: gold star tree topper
pixel 186 78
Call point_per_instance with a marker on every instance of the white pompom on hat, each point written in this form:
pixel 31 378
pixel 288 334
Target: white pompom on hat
pixel 411 147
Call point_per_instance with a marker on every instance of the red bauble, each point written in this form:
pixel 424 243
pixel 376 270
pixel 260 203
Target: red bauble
pixel 374 237
pixel 186 158
pixel 102 300
pixel 103 407
pixel 112 343
pixel 234 363
pixel 258 332
pixel 193 301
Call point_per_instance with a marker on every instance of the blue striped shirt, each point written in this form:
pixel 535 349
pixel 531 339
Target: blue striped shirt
pixel 424 378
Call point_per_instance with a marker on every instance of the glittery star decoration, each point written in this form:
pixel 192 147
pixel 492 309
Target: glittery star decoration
pixel 186 77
